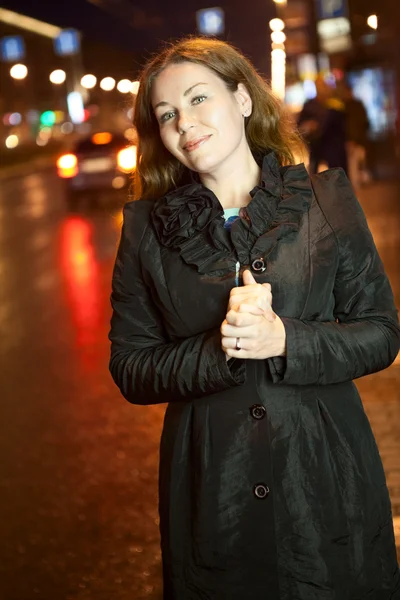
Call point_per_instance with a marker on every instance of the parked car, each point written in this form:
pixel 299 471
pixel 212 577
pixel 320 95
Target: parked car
pixel 100 162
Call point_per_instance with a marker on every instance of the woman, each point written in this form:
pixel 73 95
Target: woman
pixel 271 485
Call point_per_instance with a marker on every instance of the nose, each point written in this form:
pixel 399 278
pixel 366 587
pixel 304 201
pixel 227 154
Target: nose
pixel 184 123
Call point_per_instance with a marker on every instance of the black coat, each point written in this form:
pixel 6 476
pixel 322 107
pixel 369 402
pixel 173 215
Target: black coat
pixel 271 485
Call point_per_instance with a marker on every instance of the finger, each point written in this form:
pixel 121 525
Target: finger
pixel 233 353
pixel 243 319
pixel 256 289
pixel 270 316
pixel 258 306
pixel 248 278
pixel 231 331
pixel 267 313
pixel 228 343
pixel 224 322
pixel 258 294
pixel 252 308
pixel 243 290
pixel 256 301
pixel 232 306
pixel 260 297
pixel 254 298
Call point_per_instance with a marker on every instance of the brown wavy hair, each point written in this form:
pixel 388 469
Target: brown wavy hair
pixel 269 126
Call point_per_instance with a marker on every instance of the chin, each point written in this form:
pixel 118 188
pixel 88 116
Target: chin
pixel 202 164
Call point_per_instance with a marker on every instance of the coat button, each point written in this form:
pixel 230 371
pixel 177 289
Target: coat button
pixel 258 265
pixel 258 411
pixel 261 490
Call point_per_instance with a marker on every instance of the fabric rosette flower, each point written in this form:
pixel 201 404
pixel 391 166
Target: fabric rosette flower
pixel 190 219
pixel 182 213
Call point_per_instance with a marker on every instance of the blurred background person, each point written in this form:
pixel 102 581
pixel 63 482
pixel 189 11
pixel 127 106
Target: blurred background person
pixel 322 123
pixel 357 127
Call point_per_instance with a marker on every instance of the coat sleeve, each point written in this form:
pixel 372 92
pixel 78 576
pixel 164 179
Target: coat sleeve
pixel 365 336
pixel 145 365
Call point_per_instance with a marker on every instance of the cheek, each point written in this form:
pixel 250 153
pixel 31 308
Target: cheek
pixel 226 120
pixel 167 138
pixel 170 139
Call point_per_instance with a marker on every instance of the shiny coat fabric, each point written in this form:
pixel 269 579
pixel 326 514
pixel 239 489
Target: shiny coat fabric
pixel 271 485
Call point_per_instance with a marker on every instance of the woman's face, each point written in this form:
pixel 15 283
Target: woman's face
pixel 201 121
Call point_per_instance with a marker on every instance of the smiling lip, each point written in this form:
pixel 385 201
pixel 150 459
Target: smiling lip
pixel 190 146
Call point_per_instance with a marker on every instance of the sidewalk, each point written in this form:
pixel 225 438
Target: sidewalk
pixel 380 392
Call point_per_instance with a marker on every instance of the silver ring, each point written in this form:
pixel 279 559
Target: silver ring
pixel 238 346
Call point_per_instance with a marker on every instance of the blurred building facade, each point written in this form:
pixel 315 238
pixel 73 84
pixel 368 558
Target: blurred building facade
pixel 332 37
pixel 354 41
pixel 244 25
pixel 373 62
pixel 23 102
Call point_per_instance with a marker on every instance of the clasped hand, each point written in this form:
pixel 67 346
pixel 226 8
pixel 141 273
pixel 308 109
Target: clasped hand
pixel 251 319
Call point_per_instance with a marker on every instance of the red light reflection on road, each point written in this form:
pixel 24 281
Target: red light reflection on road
pixel 81 272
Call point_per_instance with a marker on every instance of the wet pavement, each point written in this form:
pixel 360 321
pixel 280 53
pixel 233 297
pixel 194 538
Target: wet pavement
pixel 78 475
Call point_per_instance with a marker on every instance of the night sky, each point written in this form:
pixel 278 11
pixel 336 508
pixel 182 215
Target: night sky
pixel 141 26
pixel 111 26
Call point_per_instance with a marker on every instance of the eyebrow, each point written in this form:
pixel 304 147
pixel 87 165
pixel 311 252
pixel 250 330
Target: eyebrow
pixel 186 93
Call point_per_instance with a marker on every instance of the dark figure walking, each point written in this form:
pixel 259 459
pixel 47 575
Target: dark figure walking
pixel 357 127
pixel 322 122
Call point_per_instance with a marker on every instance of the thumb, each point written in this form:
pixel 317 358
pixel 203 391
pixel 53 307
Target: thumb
pixel 248 278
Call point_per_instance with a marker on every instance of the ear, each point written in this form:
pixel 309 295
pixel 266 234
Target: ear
pixel 243 98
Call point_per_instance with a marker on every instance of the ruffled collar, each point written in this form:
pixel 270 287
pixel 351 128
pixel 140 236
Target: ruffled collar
pixel 190 219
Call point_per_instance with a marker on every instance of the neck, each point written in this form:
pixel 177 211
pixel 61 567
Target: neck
pixel 232 186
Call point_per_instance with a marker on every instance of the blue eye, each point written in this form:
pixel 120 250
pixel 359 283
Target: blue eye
pixel 167 116
pixel 171 114
pixel 198 99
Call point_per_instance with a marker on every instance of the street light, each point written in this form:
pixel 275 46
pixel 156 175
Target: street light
pixel 278 69
pixel 18 71
pixel 58 76
pixel 12 141
pixel 107 84
pixel 278 37
pixel 276 25
pixel 88 81
pixel 135 87
pixel 124 86
pixel 372 21
pixel 15 118
pixel 278 58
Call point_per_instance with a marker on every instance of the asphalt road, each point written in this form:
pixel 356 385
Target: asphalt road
pixel 78 469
